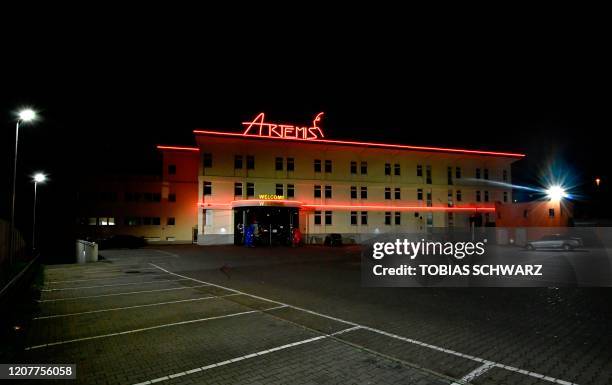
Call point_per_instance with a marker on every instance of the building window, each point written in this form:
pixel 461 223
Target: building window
pixel 396 169
pixel 458 194
pixel 328 191
pixel 428 174
pixel 171 221
pixel 354 218
pixel 397 193
pixel 207 188
pixel 328 166
pixel 111 221
pixel 387 218
pixel 328 217
pixel 131 221
pixel 525 213
pixel 250 189
pixel 290 191
pixel 278 164
pixel 398 218
pixel 238 189
pixel 207 160
pixel 450 198
pixel 353 167
pixel 317 165
pixel 279 189
pixel 478 196
pixel 364 168
pixel 364 218
pixel 457 172
pixel 505 175
pixel 171 197
pixel 551 213
pixel 429 198
pixel 486 196
pixel 238 161
pixel 171 169
pixel 420 194
pixel 419 170
pixel 148 197
pixel 290 164
pixel 156 197
pixel 317 191
pixel 449 174
pixel 250 162
pixel 477 173
pixel 387 192
pixel 317 217
pixel 364 192
pixel 92 221
pixel 353 192
pixel 387 168
pixel 486 173
pixel 505 196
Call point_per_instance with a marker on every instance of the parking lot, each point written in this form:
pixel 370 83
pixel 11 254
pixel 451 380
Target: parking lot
pixel 188 315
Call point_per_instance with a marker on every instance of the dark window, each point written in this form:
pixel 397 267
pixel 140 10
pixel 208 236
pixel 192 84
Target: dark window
pixel 156 197
pixel 450 175
pixel 317 217
pixel 486 196
pixel 278 164
pixel 396 169
pixel 238 161
pixel 250 189
pixel 148 197
pixel 238 189
pixel 458 193
pixel 317 191
pixel 290 164
pixel 171 197
pixel 387 168
pixel 387 192
pixel 429 198
pixel 207 188
pixel 505 196
pixel 457 172
pixel 207 159
pixel 428 174
pixel 505 175
pixel 250 162
pixel 146 221
pixel 328 166
pixel 353 217
pixel 171 221
pixel 387 217
pixel 353 167
pixel 290 191
pixel 478 196
pixel 398 193
pixel 136 197
pixel 364 168
pixel 477 173
pixel 171 169
pixel 364 217
pixel 353 192
pixel 419 170
pixel 486 173
pixel 364 193
pixel 551 213
pixel 525 213
pixel 317 165
pixel 155 221
pixel 279 189
pixel 398 218
pixel 420 194
pixel 328 217
pixel 328 191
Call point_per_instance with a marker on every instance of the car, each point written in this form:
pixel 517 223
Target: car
pixel 555 241
pixel 121 241
pixel 333 240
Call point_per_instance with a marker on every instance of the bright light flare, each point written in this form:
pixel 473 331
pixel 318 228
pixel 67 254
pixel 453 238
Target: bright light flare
pixel 27 115
pixel 556 193
pixel 40 177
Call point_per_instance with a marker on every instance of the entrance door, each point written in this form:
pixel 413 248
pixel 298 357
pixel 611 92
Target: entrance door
pixel 270 225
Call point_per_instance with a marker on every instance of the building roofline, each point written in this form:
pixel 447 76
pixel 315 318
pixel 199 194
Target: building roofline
pixel 367 144
pixel 177 148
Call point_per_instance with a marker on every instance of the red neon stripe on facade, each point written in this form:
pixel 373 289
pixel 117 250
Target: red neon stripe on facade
pixel 368 144
pixel 179 148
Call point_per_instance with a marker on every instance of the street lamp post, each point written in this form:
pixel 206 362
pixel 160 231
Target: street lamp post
pixel 26 115
pixel 38 178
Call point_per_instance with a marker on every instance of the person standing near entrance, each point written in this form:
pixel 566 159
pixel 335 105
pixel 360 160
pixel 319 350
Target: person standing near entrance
pixel 296 236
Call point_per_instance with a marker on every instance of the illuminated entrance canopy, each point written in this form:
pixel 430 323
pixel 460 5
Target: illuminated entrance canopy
pixel 259 127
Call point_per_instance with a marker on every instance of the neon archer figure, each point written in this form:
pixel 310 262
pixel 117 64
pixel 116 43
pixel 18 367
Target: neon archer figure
pixel 258 127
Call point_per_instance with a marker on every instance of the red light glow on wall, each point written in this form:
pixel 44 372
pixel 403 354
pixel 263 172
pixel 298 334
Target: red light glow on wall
pixel 258 127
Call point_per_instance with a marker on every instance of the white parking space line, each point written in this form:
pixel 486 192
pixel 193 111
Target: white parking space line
pixel 134 307
pixel 115 284
pixel 151 328
pixel 475 373
pixel 96 270
pixel 245 357
pixel 127 293
pixel 382 332
pixel 104 278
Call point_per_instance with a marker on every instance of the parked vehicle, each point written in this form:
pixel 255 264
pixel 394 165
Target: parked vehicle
pixel 121 241
pixel 555 241
pixel 333 240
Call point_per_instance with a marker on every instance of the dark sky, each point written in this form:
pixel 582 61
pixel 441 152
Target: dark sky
pixel 107 98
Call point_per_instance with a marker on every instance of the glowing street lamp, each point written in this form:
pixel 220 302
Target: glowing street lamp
pixel 25 115
pixel 597 181
pixel 37 178
pixel 556 193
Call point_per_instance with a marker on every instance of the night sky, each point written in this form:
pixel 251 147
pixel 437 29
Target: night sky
pixel 105 104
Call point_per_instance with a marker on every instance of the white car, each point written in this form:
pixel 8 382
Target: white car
pixel 555 241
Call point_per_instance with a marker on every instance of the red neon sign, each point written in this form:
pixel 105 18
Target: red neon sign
pixel 259 127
